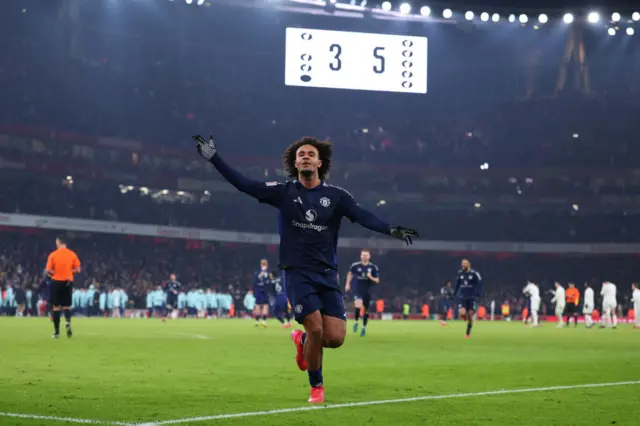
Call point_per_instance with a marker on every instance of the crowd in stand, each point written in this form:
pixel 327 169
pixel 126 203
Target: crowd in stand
pixel 139 265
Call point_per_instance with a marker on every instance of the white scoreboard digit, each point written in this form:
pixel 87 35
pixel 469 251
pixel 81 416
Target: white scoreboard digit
pixel 357 61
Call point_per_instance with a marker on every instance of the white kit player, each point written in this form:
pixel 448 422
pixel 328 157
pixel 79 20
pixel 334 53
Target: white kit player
pixel 589 305
pixel 635 298
pixel 559 299
pixel 609 305
pixel 533 292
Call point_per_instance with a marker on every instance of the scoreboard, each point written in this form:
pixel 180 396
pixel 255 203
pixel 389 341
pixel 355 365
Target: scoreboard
pixel 356 61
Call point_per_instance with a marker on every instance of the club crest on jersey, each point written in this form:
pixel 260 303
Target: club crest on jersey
pixel 325 202
pixel 310 215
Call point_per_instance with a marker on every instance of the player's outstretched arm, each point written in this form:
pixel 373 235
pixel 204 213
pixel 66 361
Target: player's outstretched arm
pixel 356 214
pixel 263 192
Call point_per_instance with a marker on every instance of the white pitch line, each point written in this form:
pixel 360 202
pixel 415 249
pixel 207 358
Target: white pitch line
pixel 63 419
pixel 386 401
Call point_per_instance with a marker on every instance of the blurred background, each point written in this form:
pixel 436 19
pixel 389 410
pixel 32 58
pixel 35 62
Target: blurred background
pixel 523 155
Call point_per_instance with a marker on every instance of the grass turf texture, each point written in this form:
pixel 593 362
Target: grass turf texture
pixel 145 371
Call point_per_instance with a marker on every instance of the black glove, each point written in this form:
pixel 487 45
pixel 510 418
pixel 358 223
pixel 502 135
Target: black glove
pixel 404 234
pixel 206 149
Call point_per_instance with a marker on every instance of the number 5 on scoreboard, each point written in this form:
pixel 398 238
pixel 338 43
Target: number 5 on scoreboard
pixel 377 53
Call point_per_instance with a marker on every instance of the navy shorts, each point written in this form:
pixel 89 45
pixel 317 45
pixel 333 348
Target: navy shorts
pixel 262 297
pixel 310 291
pixel 172 299
pixel 445 306
pixel 365 297
pixel 468 304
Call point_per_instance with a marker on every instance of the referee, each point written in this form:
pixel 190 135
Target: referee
pixel 61 265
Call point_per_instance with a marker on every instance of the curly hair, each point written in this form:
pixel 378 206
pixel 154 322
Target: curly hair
pixel 325 149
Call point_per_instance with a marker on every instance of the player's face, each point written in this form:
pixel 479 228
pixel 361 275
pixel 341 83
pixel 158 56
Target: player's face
pixel 307 159
pixel 365 256
pixel 466 265
pixel 172 277
pixel 264 265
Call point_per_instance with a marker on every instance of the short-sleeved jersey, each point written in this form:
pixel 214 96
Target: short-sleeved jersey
pixel 532 291
pixel 468 284
pixel 61 264
pixel 589 299
pixel 359 271
pixel 261 281
pixel 173 286
pixel 447 293
pixel 278 287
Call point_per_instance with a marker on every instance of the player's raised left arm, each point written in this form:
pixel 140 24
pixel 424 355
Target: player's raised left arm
pixel 356 214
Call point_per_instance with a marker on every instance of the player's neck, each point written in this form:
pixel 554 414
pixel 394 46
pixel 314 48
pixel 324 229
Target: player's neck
pixel 309 182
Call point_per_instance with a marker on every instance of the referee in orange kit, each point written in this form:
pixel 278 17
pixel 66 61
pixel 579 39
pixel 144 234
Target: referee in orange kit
pixel 61 265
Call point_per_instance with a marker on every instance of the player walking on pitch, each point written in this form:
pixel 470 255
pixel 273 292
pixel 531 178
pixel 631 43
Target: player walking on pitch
pixel 609 305
pixel 559 299
pixel 635 298
pixel 589 305
pixel 573 300
pixel 366 275
pixel 468 287
pixel 261 280
pixel 309 222
pixel 533 292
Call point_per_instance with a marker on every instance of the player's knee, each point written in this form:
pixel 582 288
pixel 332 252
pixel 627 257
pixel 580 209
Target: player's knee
pixel 333 341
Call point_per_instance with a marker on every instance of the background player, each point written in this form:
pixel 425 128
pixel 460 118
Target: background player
pixel 173 289
pixel 447 295
pixel 573 299
pixel 635 298
pixel 609 305
pixel 533 291
pixel 261 282
pixel 281 303
pixel 309 222
pixel 366 275
pixel 468 287
pixel 559 299
pixel 589 305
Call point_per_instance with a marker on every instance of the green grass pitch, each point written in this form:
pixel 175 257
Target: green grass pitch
pixel 148 372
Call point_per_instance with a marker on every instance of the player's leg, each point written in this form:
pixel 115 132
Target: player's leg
pixel 614 316
pixel 559 311
pixel 606 312
pixel 56 301
pixel 470 311
pixel 256 314
pixel 445 312
pixel 366 302
pixel 265 314
pixel 357 307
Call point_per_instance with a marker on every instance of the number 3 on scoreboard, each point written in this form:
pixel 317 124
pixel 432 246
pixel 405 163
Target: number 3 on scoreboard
pixel 337 50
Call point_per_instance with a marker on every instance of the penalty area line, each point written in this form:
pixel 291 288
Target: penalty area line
pixel 62 419
pixel 380 402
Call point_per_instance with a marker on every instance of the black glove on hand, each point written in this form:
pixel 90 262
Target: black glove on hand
pixel 404 234
pixel 206 149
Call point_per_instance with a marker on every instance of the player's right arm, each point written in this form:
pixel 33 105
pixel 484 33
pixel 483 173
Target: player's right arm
pixel 347 286
pixel 270 193
pixel 75 264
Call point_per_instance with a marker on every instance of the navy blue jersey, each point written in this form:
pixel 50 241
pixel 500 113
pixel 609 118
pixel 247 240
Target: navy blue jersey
pixel 278 287
pixel 261 281
pixel 309 219
pixel 359 271
pixel 468 284
pixel 447 293
pixel 173 287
